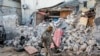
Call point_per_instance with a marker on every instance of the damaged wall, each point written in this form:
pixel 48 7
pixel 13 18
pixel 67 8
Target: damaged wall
pixel 10 13
pixel 28 8
pixel 9 7
pixel 1 1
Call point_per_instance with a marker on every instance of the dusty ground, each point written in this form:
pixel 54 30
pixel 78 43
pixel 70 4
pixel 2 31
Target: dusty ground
pixel 8 51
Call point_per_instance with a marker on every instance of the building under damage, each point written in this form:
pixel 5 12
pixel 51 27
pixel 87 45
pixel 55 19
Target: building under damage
pixel 50 27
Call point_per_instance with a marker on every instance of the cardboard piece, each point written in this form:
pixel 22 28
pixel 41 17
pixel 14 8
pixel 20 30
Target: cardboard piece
pixel 83 21
pixel 30 49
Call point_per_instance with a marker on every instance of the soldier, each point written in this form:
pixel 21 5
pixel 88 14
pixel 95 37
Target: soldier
pixel 47 39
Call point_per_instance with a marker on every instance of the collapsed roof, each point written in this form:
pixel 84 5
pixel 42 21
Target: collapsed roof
pixel 70 3
pixel 51 3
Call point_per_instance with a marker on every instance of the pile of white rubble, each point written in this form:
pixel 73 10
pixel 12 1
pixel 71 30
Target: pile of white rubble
pixel 80 39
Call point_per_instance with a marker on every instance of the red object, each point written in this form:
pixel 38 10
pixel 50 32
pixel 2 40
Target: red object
pixel 42 13
pixel 30 49
pixel 57 37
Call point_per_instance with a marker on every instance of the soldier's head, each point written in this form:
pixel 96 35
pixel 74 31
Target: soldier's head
pixel 50 29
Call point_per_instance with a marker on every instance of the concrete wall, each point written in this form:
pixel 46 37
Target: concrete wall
pixel 26 13
pixel 9 7
pixel 90 3
pixel 11 3
pixel 1 1
pixel 8 10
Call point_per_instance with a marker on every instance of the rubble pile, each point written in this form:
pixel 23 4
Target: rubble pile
pixel 79 40
pixel 28 36
pixel 76 37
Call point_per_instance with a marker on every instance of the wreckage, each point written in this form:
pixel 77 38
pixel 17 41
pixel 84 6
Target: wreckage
pixel 72 31
pixel 73 38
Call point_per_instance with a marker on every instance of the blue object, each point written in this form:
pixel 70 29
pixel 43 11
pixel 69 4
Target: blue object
pixel 55 19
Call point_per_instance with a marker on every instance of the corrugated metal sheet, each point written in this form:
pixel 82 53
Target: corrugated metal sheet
pixel 70 3
pixel 47 3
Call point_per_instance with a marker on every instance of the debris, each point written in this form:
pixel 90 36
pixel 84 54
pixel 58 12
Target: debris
pixel 83 47
pixel 83 21
pixel 71 34
pixel 30 49
pixel 57 37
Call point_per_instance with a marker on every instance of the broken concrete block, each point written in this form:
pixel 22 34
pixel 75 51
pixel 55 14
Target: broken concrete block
pixel 30 49
pixel 91 42
pixel 89 49
pixel 71 54
pixel 78 52
pixel 84 9
pixel 70 48
pixel 65 47
pixel 76 47
pixel 83 47
pixel 83 21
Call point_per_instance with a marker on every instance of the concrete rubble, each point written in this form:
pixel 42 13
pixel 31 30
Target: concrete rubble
pixel 76 39
pixel 75 23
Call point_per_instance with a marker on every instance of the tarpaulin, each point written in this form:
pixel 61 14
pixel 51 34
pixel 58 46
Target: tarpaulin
pixel 57 38
pixel 51 3
pixel 42 13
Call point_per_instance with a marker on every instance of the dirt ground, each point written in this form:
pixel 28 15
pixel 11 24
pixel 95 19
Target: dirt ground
pixel 9 51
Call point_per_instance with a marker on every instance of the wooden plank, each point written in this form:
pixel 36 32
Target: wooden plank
pixel 91 21
pixel 68 9
pixel 63 14
pixel 54 16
